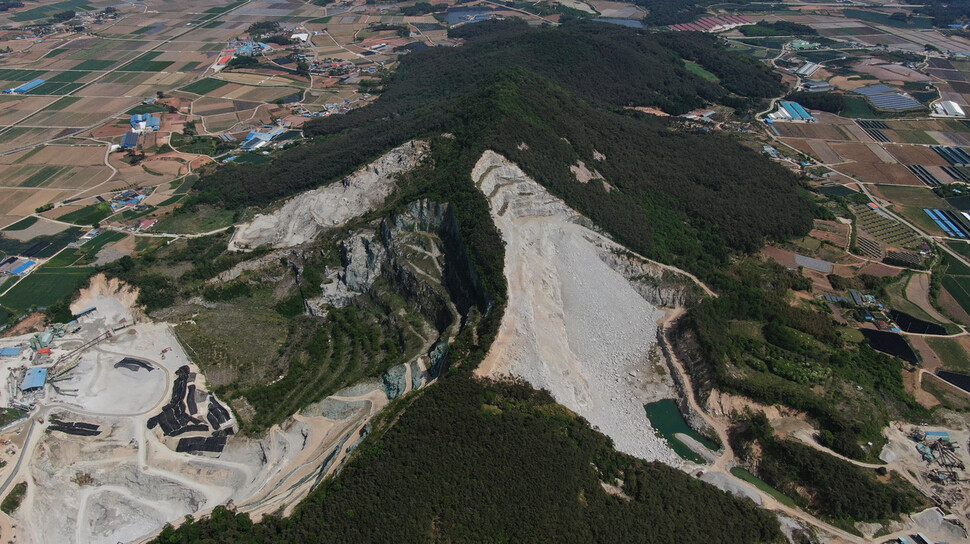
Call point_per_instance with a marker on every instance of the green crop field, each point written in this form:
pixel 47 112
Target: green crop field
pixel 94 245
pixel 699 70
pixel 68 76
pixel 959 288
pixel 189 66
pixel 22 224
pixel 146 108
pixel 213 24
pixel 20 75
pixel 203 220
pixel 54 52
pixel 62 103
pixel 42 12
pixel 94 64
pixel 65 258
pixel 963 248
pixel 952 354
pixel 885 19
pixel 57 242
pixel 44 287
pixel 135 214
pixel 55 88
pixel 857 107
pixel 146 66
pixel 45 173
pixel 145 63
pixel 88 215
pixel 762 485
pixel 204 86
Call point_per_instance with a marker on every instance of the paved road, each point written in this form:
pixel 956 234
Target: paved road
pixel 20 458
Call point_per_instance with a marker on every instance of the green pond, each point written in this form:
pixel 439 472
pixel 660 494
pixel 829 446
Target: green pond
pixel 667 420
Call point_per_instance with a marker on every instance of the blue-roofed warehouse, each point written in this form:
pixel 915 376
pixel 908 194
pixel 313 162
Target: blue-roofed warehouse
pixel 26 87
pixel 796 111
pixel 10 352
pixel 130 140
pixel 34 379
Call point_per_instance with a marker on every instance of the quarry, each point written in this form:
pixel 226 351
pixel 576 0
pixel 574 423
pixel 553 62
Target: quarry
pixel 576 324
pixel 103 464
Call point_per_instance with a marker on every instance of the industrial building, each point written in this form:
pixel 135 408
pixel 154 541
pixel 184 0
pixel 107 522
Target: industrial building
pixel 34 379
pixel 948 108
pixel 816 86
pixel 129 140
pixel 10 352
pixel 807 69
pixel 26 87
pixel 791 111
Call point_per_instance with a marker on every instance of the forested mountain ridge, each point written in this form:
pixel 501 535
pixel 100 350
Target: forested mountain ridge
pixel 473 461
pixel 678 197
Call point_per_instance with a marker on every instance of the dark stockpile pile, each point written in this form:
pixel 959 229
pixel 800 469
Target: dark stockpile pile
pixel 76 427
pixel 217 413
pixel 134 365
pixel 174 420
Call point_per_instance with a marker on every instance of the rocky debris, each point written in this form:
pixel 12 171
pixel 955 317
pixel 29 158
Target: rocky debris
pixel 252 264
pixel 573 325
pixel 303 217
pixel 726 483
pixel 584 174
pixel 334 408
pixel 395 381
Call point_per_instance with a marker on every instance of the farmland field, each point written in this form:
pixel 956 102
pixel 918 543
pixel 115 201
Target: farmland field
pixel 22 224
pixel 44 287
pixel 951 352
pixel 94 64
pixel 88 215
pixel 204 86
pixel 959 289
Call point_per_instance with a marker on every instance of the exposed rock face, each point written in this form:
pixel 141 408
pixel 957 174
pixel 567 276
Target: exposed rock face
pixel 395 381
pixel 683 340
pixel 411 250
pixel 656 284
pixel 362 257
pixel 303 217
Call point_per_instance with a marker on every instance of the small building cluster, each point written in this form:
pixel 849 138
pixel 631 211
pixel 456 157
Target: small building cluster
pixel 145 122
pixel 260 137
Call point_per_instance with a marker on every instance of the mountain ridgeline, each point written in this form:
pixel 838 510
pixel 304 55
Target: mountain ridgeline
pixel 480 461
pixel 548 98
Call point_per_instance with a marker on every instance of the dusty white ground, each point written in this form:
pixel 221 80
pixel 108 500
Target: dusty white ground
pixel 126 483
pixel 573 325
pixel 303 217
